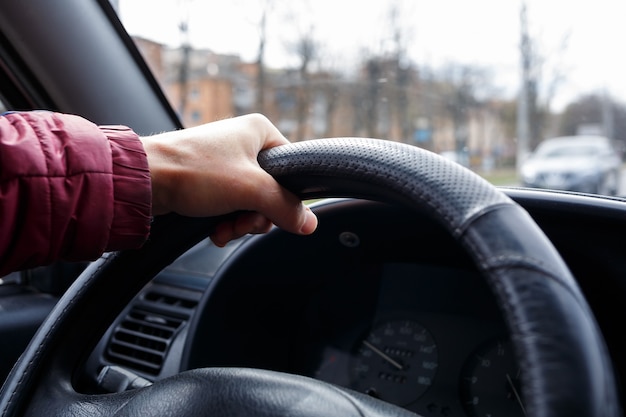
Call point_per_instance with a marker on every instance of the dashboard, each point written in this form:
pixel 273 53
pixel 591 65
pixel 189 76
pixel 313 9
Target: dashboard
pixel 379 300
pixel 432 343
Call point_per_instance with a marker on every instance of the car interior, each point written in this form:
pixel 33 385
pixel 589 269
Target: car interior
pixel 425 290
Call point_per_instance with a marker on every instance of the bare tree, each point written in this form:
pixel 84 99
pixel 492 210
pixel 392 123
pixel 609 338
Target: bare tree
pixel 331 87
pixel 306 49
pixel 184 69
pixel 527 85
pixel 266 7
pixel 460 88
pixel 557 73
pixel 387 75
pixel 331 96
pixel 400 37
pixel 538 85
pixel 597 109
pixel 373 74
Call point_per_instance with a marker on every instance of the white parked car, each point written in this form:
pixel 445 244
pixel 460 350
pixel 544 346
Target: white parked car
pixel 587 164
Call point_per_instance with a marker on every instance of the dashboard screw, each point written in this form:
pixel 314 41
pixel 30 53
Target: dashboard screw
pixel 349 239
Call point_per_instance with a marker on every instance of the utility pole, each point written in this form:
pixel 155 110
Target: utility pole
pixel 261 81
pixel 523 119
pixel 260 75
pixel 607 116
pixel 183 73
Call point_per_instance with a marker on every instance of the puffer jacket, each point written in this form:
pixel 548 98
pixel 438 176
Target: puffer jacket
pixel 69 189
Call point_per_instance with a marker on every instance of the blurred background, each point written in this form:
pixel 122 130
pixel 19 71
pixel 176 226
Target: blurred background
pixel 481 82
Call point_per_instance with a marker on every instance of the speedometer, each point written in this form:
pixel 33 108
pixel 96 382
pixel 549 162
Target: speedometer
pixel 396 362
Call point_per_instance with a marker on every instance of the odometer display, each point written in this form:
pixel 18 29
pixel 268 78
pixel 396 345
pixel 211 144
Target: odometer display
pixel 396 362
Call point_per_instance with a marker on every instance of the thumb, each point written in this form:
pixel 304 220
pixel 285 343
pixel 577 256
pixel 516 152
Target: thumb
pixel 285 209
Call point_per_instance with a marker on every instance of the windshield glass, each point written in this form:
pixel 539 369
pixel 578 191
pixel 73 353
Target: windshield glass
pixel 482 83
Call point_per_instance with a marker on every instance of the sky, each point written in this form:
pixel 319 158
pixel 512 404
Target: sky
pixel 581 39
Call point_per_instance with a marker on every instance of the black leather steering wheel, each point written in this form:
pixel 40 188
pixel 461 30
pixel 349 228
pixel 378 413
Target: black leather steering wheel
pixel 566 368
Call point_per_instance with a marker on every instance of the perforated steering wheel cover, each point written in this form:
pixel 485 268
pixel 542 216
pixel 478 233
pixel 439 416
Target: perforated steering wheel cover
pixel 373 168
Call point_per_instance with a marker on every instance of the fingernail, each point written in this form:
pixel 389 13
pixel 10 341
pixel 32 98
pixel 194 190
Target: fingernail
pixel 310 223
pixel 219 244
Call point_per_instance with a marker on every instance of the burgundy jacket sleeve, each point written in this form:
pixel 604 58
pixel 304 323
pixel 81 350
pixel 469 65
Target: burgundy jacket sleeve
pixel 69 189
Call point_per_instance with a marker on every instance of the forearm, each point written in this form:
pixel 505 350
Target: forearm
pixel 70 190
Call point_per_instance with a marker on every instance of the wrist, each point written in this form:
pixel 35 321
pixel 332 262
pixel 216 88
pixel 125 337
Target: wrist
pixel 157 155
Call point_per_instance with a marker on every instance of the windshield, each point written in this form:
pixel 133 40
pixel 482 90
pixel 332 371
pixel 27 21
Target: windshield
pixel 482 83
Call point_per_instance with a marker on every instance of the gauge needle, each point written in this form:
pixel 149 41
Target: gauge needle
pixel 517 396
pixel 383 355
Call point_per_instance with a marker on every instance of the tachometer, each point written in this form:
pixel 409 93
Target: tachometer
pixel 396 362
pixel 490 384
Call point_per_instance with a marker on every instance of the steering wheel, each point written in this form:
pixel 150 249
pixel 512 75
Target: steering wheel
pixel 566 367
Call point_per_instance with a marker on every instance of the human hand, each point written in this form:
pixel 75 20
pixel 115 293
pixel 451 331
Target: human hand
pixel 212 169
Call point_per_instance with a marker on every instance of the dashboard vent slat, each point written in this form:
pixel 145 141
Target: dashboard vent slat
pixel 158 297
pixel 141 340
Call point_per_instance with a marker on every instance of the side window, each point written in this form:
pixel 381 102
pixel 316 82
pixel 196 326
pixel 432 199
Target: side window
pixel 5 103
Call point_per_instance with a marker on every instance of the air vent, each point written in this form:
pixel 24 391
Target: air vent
pixel 142 339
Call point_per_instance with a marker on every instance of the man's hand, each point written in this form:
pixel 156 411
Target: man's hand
pixel 212 169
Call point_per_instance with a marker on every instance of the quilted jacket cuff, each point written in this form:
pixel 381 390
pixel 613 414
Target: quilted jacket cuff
pixel 132 189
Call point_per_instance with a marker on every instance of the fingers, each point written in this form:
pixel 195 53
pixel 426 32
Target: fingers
pixel 282 207
pixel 243 224
pixel 254 223
pixel 268 203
